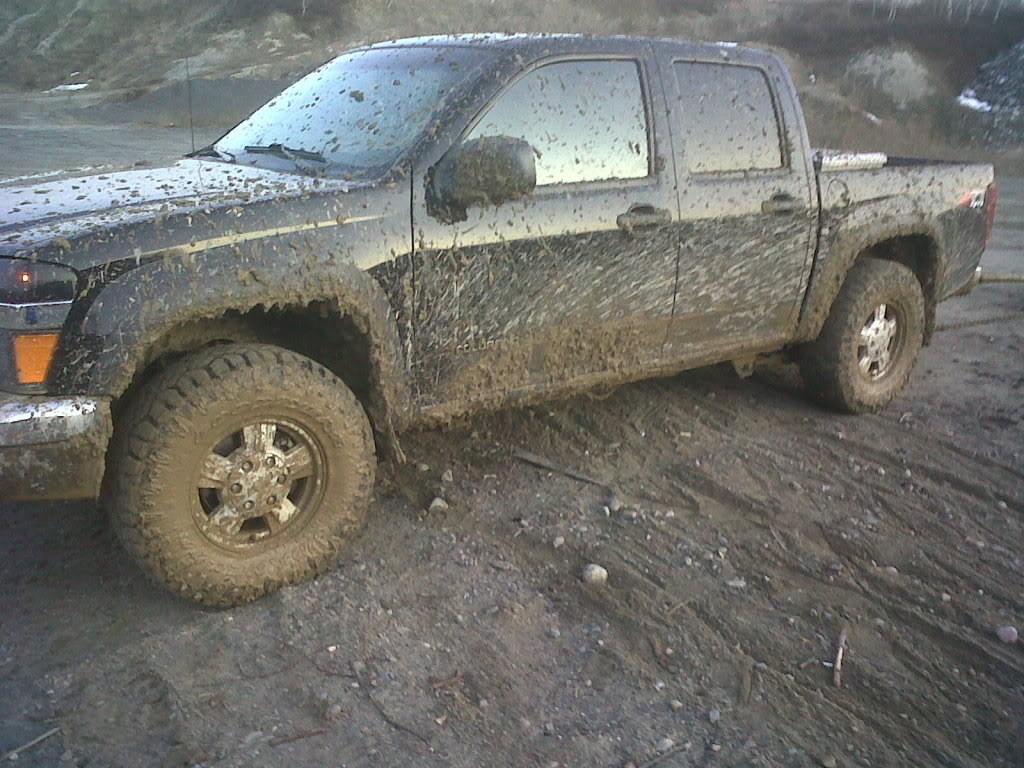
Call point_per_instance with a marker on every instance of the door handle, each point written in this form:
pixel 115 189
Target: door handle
pixel 778 204
pixel 640 216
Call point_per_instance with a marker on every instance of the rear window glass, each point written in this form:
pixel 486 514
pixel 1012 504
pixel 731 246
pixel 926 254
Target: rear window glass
pixel 729 120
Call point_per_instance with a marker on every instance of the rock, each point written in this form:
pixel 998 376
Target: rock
pixel 892 570
pixel 606 511
pixel 714 716
pixel 447 476
pixel 761 666
pixel 558 541
pixel 333 712
pixel 67 756
pixel 659 685
pixel 423 467
pixel 549 728
pixel 438 505
pixel 525 724
pixel 828 762
pixel 669 515
pixel 358 668
pixel 614 504
pixel 946 597
pixel 676 705
pixel 554 633
pixel 595 574
pixel 665 745
pixel 1007 634
pixel 736 583
pixel 630 514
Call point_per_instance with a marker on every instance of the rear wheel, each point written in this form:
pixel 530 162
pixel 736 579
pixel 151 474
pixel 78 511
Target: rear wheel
pixel 239 469
pixel 870 342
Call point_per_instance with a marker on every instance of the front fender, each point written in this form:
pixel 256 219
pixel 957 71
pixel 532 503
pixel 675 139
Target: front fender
pixel 136 310
pixel 846 234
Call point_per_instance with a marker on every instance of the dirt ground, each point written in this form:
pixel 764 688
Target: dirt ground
pixel 755 528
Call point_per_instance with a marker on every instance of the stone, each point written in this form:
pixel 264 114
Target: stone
pixel 828 762
pixel 614 504
pixel 438 505
pixel 423 467
pixel 554 633
pixel 714 716
pixel 595 574
pixel 558 541
pixel 676 705
pixel 1007 634
pixel 447 476
pixel 665 745
pixel 736 583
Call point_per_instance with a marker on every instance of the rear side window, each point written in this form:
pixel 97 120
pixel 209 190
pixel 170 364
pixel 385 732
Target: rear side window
pixel 585 120
pixel 729 119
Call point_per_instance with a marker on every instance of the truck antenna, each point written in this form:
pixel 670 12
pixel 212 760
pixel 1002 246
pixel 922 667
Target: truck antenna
pixel 188 91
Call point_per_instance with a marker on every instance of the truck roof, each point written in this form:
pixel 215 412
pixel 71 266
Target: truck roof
pixel 556 43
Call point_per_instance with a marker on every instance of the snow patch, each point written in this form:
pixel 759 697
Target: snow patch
pixel 67 87
pixel 969 100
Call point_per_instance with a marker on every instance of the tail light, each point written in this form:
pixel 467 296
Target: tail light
pixel 991 194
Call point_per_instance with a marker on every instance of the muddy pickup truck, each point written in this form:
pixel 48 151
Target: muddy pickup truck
pixel 425 228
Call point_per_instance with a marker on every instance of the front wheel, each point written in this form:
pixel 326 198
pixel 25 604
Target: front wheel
pixel 870 342
pixel 239 469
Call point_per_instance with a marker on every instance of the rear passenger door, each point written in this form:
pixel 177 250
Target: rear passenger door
pixel 747 205
pixel 574 283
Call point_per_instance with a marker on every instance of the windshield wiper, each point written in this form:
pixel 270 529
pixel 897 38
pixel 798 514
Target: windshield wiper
pixel 288 153
pixel 211 151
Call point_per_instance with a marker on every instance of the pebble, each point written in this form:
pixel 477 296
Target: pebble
pixel 828 762
pixel 761 666
pixel 549 728
pixel 736 583
pixel 614 504
pixel 525 724
pixel 333 712
pixel 665 745
pixel 714 716
pixel 595 574
pixel 447 477
pixel 423 467
pixel 554 633
pixel 67 756
pixel 1007 634
pixel 891 569
pixel 438 505
pixel 659 685
pixel 946 597
pixel 558 541
pixel 669 515
pixel 630 514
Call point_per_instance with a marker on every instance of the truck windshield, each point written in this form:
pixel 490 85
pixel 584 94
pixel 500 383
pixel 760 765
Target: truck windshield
pixel 359 111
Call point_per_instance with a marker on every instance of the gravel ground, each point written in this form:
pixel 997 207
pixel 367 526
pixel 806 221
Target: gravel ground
pixel 752 528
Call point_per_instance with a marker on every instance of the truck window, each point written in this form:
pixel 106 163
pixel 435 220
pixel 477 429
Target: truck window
pixel 585 120
pixel 729 120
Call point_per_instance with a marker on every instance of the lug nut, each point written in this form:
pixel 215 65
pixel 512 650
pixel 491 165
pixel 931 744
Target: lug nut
pixel 247 466
pixel 271 461
pixel 281 479
pixel 236 487
pixel 272 500
pixel 249 504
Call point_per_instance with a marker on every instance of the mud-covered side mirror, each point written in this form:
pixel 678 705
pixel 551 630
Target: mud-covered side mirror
pixel 487 171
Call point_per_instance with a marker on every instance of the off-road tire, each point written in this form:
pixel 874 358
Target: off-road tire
pixel 830 364
pixel 165 431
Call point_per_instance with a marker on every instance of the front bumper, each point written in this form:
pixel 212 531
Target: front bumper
pixel 52 448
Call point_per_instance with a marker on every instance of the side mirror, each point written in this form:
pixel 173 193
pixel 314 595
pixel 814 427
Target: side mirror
pixel 490 170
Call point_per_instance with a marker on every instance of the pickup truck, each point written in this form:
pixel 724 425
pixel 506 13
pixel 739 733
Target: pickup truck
pixel 422 229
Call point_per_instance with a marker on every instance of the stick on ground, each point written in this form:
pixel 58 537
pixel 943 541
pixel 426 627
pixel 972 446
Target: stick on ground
pixel 13 754
pixel 837 668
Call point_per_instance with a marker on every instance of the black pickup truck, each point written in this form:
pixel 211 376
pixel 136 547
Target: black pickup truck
pixel 425 228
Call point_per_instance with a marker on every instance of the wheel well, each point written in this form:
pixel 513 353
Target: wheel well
pixel 920 255
pixel 318 330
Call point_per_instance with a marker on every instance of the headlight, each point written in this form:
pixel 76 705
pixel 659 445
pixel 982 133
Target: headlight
pixel 33 282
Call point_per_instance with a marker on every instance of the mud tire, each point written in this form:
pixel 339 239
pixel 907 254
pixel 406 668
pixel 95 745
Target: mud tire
pixel 830 364
pixel 161 435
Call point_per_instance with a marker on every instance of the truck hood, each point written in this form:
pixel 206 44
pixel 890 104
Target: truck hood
pixel 36 214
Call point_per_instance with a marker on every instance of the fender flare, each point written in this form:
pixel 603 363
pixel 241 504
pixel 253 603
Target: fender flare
pixel 844 238
pixel 142 306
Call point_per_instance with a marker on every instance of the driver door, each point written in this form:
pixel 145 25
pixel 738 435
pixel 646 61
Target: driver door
pixel 573 284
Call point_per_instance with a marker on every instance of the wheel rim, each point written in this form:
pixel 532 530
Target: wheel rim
pixel 258 484
pixel 881 342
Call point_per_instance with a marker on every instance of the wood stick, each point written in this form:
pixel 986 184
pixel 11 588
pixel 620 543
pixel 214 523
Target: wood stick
pixel 13 754
pixel 837 668
pixel 540 461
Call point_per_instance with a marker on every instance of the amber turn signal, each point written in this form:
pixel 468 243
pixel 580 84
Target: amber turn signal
pixel 32 354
